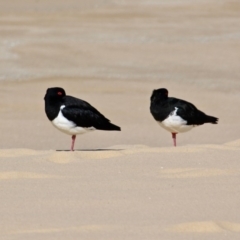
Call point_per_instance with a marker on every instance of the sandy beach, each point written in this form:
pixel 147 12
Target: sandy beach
pixel 131 184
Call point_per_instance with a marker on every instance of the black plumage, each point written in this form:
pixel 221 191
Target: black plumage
pixel 163 107
pixel 67 110
pixel 85 115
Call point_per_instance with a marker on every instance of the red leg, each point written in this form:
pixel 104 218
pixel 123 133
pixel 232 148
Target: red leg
pixel 174 139
pixel 73 141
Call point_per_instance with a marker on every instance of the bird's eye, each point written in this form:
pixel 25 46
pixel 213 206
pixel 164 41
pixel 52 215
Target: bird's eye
pixel 59 93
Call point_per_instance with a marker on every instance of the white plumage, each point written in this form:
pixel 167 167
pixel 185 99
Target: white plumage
pixel 175 124
pixel 67 126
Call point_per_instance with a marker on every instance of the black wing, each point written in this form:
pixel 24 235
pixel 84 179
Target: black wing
pixel 85 115
pixel 190 113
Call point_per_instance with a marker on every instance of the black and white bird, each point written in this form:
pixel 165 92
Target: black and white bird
pixel 74 116
pixel 176 115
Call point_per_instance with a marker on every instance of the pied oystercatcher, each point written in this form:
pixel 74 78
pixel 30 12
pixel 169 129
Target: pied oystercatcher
pixel 74 116
pixel 176 115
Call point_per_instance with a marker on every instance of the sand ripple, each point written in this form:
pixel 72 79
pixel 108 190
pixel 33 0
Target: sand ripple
pixel 23 175
pixel 196 172
pixel 206 227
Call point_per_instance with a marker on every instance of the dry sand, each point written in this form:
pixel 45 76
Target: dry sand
pixel 120 185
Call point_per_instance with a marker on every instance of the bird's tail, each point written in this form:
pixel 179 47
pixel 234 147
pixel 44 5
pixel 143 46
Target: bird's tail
pixel 109 127
pixel 210 119
pixel 114 127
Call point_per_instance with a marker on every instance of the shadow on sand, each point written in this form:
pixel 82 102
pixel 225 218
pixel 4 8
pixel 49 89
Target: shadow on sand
pixel 88 150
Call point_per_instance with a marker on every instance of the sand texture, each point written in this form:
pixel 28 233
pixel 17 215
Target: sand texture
pixel 132 184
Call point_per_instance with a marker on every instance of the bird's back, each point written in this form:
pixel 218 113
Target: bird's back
pixel 85 115
pixel 186 110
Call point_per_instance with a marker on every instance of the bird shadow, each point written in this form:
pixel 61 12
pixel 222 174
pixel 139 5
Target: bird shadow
pixel 88 150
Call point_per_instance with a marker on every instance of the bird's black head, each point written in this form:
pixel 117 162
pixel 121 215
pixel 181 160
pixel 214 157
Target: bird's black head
pixel 159 94
pixel 54 94
pixel 54 98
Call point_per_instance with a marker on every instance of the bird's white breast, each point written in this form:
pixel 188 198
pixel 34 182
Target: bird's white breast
pixel 175 124
pixel 68 127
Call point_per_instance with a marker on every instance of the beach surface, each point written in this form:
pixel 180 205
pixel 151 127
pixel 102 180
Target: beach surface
pixel 131 184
